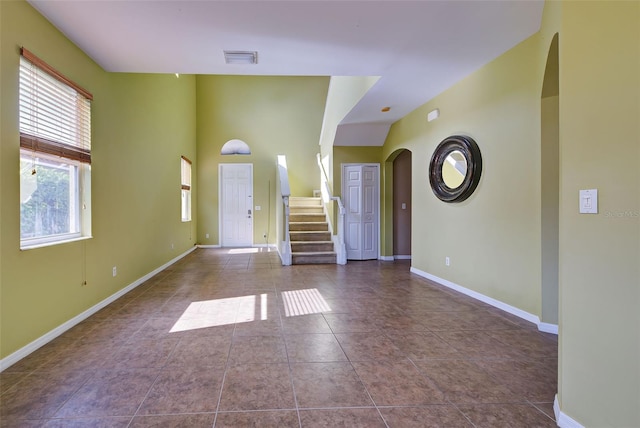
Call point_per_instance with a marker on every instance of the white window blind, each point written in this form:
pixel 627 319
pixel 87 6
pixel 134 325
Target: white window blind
pixel 185 173
pixel 185 169
pixel 55 155
pixel 55 113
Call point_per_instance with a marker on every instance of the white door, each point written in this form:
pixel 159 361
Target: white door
pixel 236 204
pixel 361 192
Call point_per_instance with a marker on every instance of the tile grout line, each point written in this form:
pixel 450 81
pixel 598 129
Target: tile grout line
pixel 358 375
pixel 286 350
pixel 444 394
pixel 540 410
pixel 226 367
pixel 311 276
pixel 155 381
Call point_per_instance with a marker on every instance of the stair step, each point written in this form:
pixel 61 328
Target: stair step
pixel 306 209
pixel 304 217
pixel 306 235
pixel 309 232
pixel 308 201
pixel 311 246
pixel 306 258
pixel 316 226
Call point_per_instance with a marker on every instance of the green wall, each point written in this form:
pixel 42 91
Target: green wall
pixel 274 115
pixel 141 125
pixel 351 154
pixel 498 106
pixel 343 94
pixel 600 254
pixel 501 106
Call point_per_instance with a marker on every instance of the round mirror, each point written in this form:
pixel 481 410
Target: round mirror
pixel 455 168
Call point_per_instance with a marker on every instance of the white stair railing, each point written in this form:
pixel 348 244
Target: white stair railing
pixel 283 193
pixel 327 196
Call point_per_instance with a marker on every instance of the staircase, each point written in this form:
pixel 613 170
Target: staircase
pixel 309 232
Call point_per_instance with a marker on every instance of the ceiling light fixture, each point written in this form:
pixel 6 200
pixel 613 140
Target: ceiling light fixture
pixel 241 57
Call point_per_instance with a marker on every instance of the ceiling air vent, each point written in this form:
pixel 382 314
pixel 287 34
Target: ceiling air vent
pixel 241 57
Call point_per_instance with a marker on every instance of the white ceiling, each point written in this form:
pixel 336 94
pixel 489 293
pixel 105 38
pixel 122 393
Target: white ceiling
pixel 419 48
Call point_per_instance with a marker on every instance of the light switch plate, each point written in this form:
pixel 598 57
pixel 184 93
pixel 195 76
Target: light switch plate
pixel 589 201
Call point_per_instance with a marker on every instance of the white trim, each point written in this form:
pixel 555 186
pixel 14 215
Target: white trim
pixel 340 250
pixel 13 358
pixel 402 257
pixel 386 258
pixel 548 328
pixel 486 299
pixel 252 246
pixel 378 179
pixel 43 244
pixel 285 255
pixel 562 420
pixel 220 200
pixel 267 246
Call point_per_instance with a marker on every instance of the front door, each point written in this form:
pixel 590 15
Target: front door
pixel 360 192
pixel 236 204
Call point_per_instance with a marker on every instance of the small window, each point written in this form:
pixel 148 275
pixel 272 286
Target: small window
pixel 185 172
pixel 55 155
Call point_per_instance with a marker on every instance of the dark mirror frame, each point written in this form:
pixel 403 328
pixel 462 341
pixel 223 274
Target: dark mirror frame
pixel 468 147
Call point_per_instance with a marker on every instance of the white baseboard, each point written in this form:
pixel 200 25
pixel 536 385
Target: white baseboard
pixel 548 328
pixel 13 358
pixel 264 246
pixel 274 246
pixel 562 420
pixel 395 257
pixel 489 300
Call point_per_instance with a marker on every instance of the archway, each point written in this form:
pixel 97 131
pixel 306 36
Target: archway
pixel 550 186
pixel 398 205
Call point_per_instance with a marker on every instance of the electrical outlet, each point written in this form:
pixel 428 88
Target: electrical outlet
pixel 114 271
pixel 206 236
pixel 172 245
pixel 447 262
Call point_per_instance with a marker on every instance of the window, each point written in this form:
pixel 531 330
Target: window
pixel 185 172
pixel 55 155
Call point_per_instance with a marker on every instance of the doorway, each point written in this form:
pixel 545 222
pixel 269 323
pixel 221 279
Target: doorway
pixel 402 206
pixel 236 204
pixel 361 195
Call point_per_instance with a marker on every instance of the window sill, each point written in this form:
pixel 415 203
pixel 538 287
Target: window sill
pixel 52 243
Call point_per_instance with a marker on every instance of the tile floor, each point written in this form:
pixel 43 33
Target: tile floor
pixel 232 339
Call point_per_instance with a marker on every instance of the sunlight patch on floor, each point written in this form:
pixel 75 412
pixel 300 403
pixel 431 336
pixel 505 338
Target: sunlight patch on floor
pixel 304 302
pixel 218 312
pixel 231 310
pixel 244 250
